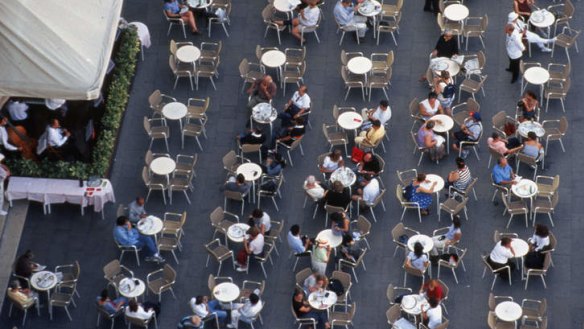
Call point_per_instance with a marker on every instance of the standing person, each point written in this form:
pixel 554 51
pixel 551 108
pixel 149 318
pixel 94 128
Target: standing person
pixel 531 37
pixel 515 49
pixel 4 174
pixel 136 210
pixel 321 253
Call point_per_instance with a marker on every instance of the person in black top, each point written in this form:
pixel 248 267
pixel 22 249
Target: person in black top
pixel 447 46
pixel 254 136
pixel 291 134
pixel 369 165
pixel 432 5
pixel 23 267
pixel 338 196
pixel 303 310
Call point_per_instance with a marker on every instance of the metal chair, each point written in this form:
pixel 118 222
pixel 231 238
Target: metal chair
pixel 211 49
pixel 499 121
pixel 331 210
pixel 465 192
pixel 250 72
pixel 531 162
pixel 545 206
pixel 302 321
pixel 186 164
pixel 220 20
pixel 414 272
pixel 295 55
pixel 406 176
pixel 554 131
pixel 192 129
pixel 472 86
pixel 114 272
pixel 175 21
pixel 197 108
pixel 173 223
pixel 388 24
pixel 346 282
pixel 169 242
pixel 180 70
pixel 292 73
pixel 130 249
pixel 454 205
pixel 345 29
pixel 267 256
pixel 345 318
pixel 338 110
pixel 249 287
pixel 495 272
pixel 556 90
pixel 405 204
pixel 161 280
pixel 274 234
pixel 309 29
pixel 371 206
pixel 250 148
pixel 353 264
pixel 301 276
pixel 102 312
pixel 70 274
pixel 267 14
pixel 422 149
pixel 24 306
pixel 497 236
pixel 495 300
pixel 180 182
pixel 541 272
pixel 269 193
pixel 392 292
pixel 140 322
pixel 395 320
pixel 543 324
pixel 460 252
pixel 566 40
pixel 220 223
pixel 363 227
pixel 234 196
pixel 154 183
pixel 474 144
pixel 158 131
pixel 219 252
pixel 533 310
pixel 379 79
pixel 295 144
pixel 62 297
pixel 335 137
pixel 517 207
pixel 352 81
pixel 494 323
pixel 207 68
pixel 475 27
pixel 157 100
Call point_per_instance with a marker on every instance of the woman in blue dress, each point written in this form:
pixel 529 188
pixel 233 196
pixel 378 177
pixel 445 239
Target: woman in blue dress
pixel 422 195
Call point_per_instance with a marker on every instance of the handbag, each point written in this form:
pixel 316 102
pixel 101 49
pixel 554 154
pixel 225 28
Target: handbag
pixel 357 154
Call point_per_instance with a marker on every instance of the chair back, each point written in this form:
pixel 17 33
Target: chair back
pixel 267 13
pixel 332 209
pixel 413 271
pixel 563 125
pixel 145 176
pixel 250 148
pixel 211 283
pixel 406 176
pixel 147 126
pixel 268 247
pixel 234 195
pixel 445 289
pixel 397 231
pixel 244 68
pixel 363 225
pixel 155 99
pixel 169 274
pixel 344 278
pixel 229 160
pixel 393 314
pixel 112 269
pixel 399 194
pixel 137 321
pixel 443 325
pixel 302 275
pixel 378 199
pixel 216 216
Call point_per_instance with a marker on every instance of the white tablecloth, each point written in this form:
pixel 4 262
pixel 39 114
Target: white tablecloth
pixel 49 191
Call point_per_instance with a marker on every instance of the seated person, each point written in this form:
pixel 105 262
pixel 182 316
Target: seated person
pixel 417 259
pixel 428 139
pixel 313 188
pixel 261 91
pixel 111 306
pixel 271 167
pixel 290 134
pixel 432 316
pixel 332 162
pixel 350 251
pixel 296 106
pixel 237 184
pixel 340 223
pixel 470 131
pixel 136 210
pixel 252 246
pixel 298 244
pixel 461 177
pixel 189 321
pixel 254 136
pixel 372 136
pixel 338 196
pixel 22 296
pixel 369 190
pixel 500 255
pixel 382 113
pixel 430 106
pixel 4 137
pixel 125 235
pixel 202 307
pixel 446 46
pixel 303 310
pixel 445 88
pixel 450 238
pixel 369 165
pixel 539 242
pixel 532 147
pixel 432 289
pixel 173 9
pixel 315 282
pixel 24 266
pixel 261 220
pixel 503 173
pixel 345 16
pixel 421 194
pixel 307 17
pixel 528 106
pixel 135 310
pixel 245 311
pixel 60 138
pixel 504 146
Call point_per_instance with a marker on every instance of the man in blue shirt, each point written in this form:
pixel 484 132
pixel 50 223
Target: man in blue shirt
pixel 503 173
pixel 297 244
pixel 345 16
pixel 125 235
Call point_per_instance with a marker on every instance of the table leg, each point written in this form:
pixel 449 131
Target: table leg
pixel 438 204
pixel 448 142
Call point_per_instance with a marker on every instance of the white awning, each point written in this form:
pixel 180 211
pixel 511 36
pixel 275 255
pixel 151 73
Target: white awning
pixel 56 48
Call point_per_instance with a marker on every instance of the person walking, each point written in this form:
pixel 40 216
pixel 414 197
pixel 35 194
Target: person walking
pixel 515 49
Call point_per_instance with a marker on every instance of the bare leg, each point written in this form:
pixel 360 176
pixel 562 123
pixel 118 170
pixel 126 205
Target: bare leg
pixel 189 18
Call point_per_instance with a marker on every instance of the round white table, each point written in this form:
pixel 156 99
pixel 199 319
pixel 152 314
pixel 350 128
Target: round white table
pixel 274 59
pixel 175 111
pixel 371 9
pixel 344 175
pixel 322 300
pixel 131 287
pixel 521 248
pixel 44 281
pixel 252 172
pixel 150 225
pixel 444 63
pixel 425 240
pixel 412 304
pixel 508 311
pixel 525 188
pixel 350 120
pixel 196 4
pixel 188 54
pixel 333 239
pixel 162 166
pixel 226 292
pixel 430 178
pixel 286 6
pixel 526 126
pixel 456 12
pixel 264 113
pixel 359 65
pixel 537 76
pixel 236 232
pixel 543 19
pixel 443 124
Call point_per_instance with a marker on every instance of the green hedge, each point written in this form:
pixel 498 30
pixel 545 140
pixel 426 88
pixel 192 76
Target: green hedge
pixel 117 98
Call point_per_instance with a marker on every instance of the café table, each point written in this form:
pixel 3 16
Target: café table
pixel 251 172
pixel 537 76
pixel 439 64
pixel 430 178
pixel 264 113
pixel 150 226
pixel 131 288
pixel 236 232
pixel 175 111
pixel 199 4
pixel 44 281
pixel 525 189
pixel 274 59
pixel 286 6
pixel 526 126
pixel 322 300
pixel 226 292
pixel 188 54
pixel 425 240
pixel 508 311
pixel 542 19
pixel 360 65
pixel 344 175
pixel 333 239
pixel 163 166
pixel 521 248
pixel 370 9
pixel 350 120
pixel 443 124
pixel 456 12
pixel 412 304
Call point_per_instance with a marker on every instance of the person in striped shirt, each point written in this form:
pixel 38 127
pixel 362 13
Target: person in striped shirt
pixel 461 177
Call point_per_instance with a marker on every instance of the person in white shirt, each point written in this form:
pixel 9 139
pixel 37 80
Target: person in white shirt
pixel 513 18
pixel 135 310
pixel 332 162
pixel 540 238
pixel 136 210
pixel 417 259
pixel 432 315
pixel 57 136
pixel 296 106
pixel 430 106
pixel 18 110
pixel 246 311
pixel 4 136
pixel 500 256
pixel 261 220
pixel 345 16
pixel 252 246
pixel 381 113
pixel 369 192
pixel 202 306
pixel 313 188
pixel 515 48
pixel 307 17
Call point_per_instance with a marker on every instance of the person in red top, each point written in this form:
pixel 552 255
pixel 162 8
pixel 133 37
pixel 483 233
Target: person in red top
pixel 432 289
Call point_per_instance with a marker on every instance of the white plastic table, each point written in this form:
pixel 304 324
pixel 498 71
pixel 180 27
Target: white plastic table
pixel 537 76
pixel 274 59
pixel 322 300
pixel 439 64
pixel 196 4
pixel 162 166
pixel 264 113
pixel 543 19
pixel 526 126
pixel 425 240
pixel 350 120
pixel 430 178
pixel 443 124
pixel 508 311
pixel 521 248
pixel 456 12
pixel 333 239
pixel 226 292
pixel 131 287
pixel 175 111
pixel 44 281
pixel 360 65
pixel 188 54
pixel 286 6
pixel 251 172
pixel 150 226
pixel 236 232
pixel 370 8
pixel 525 189
pixel 344 175
pixel 412 304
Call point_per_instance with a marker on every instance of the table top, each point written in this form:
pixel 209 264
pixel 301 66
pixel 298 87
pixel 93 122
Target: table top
pixel 369 8
pixel 444 63
pixel 359 65
pixel 251 171
pixel 131 287
pixel 273 58
pixel 520 246
pixel 162 166
pixel 44 280
pixel 456 12
pixel 412 304
pixel 425 240
pixel 508 311
pixel 199 4
pixel 322 300
pixel 345 175
pixel 264 113
pixel 526 126
pixel 286 5
pixel 188 54
pixel 226 292
pixel 333 239
pixel 525 188
pixel 150 225
pixel 536 75
pixel 236 232
pixel 350 120
pixel 434 178
pixel 174 111
pixel 542 18
pixel 442 123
